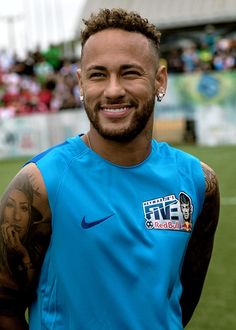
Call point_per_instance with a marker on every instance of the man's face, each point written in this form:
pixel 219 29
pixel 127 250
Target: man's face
pixel 185 208
pixel 118 80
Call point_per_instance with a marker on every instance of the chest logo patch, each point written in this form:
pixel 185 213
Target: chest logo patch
pixel 86 225
pixel 169 213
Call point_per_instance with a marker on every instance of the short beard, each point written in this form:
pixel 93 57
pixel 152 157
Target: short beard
pixel 139 122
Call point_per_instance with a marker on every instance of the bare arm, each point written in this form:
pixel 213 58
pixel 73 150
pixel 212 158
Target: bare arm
pixel 25 228
pixel 200 247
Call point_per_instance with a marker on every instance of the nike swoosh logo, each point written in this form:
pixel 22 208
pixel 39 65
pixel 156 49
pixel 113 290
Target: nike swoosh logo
pixel 86 225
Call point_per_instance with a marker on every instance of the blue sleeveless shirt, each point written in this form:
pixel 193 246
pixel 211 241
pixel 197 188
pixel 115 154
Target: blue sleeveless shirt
pixel 119 237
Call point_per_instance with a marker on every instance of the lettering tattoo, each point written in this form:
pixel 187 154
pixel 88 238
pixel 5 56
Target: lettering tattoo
pixel 24 234
pixel 148 136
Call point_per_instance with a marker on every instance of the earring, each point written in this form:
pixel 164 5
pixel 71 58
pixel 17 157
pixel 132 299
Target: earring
pixel 160 96
pixel 81 98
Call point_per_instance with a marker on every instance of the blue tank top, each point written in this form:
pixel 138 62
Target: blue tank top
pixel 119 236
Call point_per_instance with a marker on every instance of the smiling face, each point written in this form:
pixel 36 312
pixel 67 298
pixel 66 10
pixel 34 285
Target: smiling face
pixel 119 79
pixel 17 212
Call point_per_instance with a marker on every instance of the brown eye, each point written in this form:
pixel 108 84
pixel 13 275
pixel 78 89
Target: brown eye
pixel 132 73
pixel 25 208
pixel 9 204
pixel 97 75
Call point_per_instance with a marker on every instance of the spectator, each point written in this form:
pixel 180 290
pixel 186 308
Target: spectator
pixel 190 58
pixel 53 57
pixel 43 69
pixel 224 58
pixel 174 60
pixel 205 57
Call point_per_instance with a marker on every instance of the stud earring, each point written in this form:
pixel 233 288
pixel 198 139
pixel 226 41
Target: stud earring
pixel 81 98
pixel 160 96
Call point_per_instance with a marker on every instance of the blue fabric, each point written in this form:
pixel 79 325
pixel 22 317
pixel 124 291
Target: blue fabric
pixel 118 239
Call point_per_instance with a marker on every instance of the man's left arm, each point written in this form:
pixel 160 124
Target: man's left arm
pixel 200 247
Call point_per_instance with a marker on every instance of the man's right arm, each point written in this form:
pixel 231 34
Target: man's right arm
pixel 25 228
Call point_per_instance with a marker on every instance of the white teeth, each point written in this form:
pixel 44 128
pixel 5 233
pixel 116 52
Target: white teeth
pixel 115 110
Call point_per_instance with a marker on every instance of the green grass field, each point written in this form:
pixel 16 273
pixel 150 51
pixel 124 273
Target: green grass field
pixel 217 307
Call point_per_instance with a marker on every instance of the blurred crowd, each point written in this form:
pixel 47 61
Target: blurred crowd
pixel 42 82
pixel 47 82
pixel 211 52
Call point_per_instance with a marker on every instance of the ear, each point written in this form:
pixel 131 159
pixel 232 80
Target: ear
pixel 79 76
pixel 161 80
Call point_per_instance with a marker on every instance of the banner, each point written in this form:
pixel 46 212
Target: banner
pixel 29 135
pixel 207 98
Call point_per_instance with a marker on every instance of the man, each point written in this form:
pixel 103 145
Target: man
pixel 186 209
pixel 118 257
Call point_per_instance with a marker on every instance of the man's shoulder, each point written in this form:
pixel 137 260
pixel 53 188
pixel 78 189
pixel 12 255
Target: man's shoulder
pixel 212 184
pixel 175 153
pixel 64 151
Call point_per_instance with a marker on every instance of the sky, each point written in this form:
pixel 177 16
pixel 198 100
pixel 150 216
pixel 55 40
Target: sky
pixel 25 24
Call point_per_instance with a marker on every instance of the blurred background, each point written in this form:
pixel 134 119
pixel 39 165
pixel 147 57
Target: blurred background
pixel 40 104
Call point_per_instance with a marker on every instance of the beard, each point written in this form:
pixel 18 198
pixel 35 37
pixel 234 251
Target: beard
pixel 126 134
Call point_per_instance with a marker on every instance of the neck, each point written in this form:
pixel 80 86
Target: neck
pixel 121 153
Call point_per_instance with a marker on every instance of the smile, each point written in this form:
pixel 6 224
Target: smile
pixel 116 110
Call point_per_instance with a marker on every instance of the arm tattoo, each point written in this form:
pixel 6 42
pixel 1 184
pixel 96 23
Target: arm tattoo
pixel 200 247
pixel 34 183
pixel 24 234
pixel 211 181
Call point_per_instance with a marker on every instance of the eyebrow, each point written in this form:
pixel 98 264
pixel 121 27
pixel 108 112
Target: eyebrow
pixel 11 199
pixel 131 66
pixel 97 67
pixel 123 67
pixel 15 200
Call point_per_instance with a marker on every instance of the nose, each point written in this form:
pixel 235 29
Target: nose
pixel 114 88
pixel 17 214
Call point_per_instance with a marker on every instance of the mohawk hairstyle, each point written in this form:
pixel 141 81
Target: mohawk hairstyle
pixel 119 18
